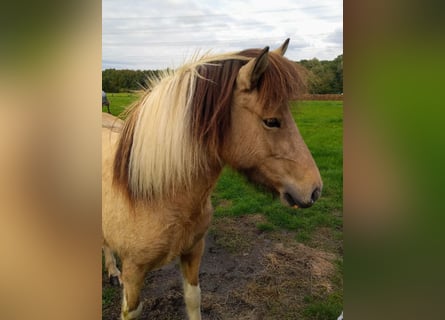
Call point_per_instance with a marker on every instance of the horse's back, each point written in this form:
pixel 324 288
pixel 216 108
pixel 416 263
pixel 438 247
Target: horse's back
pixel 110 134
pixel 111 122
pixel 111 129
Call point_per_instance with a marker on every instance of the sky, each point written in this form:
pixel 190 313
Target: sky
pixel 159 34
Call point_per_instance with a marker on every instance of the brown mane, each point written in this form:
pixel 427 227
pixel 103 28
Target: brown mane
pixel 212 99
pixel 121 162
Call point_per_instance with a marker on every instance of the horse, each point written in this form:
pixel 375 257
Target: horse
pixel 161 165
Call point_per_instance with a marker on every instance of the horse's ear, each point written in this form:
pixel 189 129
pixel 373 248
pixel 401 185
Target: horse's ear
pixel 282 49
pixel 250 74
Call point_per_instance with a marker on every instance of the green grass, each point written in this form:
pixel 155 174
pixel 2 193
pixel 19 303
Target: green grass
pixel 329 306
pixel 325 309
pixel 109 294
pixel 119 101
pixel 265 227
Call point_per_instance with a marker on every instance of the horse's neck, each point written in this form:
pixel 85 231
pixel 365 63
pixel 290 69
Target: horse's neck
pixel 202 187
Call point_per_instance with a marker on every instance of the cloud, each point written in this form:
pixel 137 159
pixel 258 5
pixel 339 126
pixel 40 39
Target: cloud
pixel 159 34
pixel 335 37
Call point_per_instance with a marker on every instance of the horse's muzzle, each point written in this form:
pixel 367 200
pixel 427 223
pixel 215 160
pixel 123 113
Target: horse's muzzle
pixel 291 198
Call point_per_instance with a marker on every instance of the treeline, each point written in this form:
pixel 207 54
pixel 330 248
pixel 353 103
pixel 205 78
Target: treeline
pixel 323 77
pixel 125 80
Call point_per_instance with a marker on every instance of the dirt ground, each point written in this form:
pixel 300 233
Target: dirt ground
pixel 245 274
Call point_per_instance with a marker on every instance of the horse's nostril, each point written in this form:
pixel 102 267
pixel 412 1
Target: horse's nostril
pixel 315 195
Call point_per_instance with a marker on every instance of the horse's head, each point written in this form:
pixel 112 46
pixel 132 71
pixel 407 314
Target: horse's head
pixel 263 141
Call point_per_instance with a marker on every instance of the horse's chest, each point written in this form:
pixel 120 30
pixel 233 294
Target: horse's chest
pixel 176 239
pixel 192 231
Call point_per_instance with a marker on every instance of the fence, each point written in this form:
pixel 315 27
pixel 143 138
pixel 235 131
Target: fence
pixel 322 97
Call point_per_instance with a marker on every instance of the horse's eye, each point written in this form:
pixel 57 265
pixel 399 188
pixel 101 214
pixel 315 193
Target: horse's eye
pixel 272 123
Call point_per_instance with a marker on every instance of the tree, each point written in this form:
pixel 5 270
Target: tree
pixel 324 76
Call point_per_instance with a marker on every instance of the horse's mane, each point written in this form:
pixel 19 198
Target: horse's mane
pixel 179 125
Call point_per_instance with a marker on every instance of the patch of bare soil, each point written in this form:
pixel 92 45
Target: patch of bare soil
pixel 245 274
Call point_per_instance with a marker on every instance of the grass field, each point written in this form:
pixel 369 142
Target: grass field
pixel 119 101
pixel 321 125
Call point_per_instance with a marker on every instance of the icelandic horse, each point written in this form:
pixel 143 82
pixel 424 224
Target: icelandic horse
pixel 160 166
